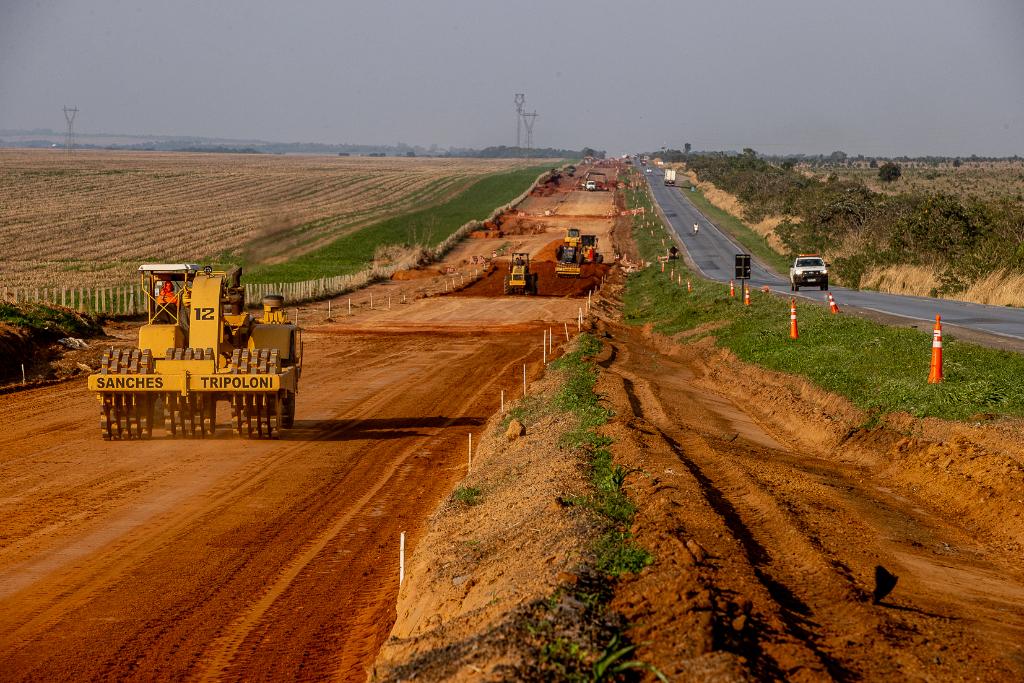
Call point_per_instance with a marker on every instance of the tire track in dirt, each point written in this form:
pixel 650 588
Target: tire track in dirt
pixel 812 528
pixel 222 662
pixel 146 596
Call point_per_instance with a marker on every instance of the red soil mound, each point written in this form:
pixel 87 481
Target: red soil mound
pixel 548 283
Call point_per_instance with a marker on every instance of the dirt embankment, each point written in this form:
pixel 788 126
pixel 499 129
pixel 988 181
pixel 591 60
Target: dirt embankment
pixel 793 502
pixel 483 566
pixel 29 340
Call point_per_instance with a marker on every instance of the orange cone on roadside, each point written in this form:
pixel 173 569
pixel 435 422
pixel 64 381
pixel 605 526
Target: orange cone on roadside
pixel 663 266
pixel 689 287
pixel 793 333
pixel 832 305
pixel 746 295
pixel 935 373
pixel 732 289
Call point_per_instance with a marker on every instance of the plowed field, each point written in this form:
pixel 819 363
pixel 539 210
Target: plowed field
pixel 91 220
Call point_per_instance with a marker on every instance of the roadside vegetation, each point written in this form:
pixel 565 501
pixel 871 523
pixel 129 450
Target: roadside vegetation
pixel 879 368
pixel 574 635
pixel 422 229
pixel 960 238
pixel 49 322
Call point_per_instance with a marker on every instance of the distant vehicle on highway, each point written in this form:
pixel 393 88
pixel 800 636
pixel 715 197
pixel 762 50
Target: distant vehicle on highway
pixel 670 176
pixel 591 186
pixel 808 269
pixel 648 170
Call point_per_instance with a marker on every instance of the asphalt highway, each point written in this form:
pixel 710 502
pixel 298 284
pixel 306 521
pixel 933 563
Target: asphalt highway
pixel 713 252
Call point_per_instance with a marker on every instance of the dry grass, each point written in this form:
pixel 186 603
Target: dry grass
pixel 909 280
pixel 982 179
pixel 90 220
pixel 997 289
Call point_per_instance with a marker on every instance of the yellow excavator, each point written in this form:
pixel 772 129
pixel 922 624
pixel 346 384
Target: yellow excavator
pixel 198 348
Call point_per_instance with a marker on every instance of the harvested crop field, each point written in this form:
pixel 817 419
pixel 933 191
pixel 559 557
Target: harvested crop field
pixel 91 219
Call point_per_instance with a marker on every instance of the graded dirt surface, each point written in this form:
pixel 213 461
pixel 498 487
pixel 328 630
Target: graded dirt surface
pixel 226 558
pixel 232 558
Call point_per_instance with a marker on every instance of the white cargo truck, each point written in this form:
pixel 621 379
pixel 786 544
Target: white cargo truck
pixel 670 176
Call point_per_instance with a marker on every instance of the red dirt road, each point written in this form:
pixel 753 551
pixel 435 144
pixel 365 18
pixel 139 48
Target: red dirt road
pixel 228 558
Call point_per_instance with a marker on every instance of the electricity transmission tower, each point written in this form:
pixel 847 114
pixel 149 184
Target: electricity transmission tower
pixel 520 103
pixel 528 120
pixel 69 138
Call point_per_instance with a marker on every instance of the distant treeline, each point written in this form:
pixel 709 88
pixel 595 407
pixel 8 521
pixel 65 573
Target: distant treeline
pixel 837 158
pixel 962 239
pixel 196 144
pixel 503 152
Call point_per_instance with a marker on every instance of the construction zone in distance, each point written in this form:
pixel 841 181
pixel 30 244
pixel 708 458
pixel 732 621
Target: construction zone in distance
pixel 200 347
pixel 550 245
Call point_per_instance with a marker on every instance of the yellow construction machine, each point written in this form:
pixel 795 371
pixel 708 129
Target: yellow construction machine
pixel 198 348
pixel 569 254
pixel 519 279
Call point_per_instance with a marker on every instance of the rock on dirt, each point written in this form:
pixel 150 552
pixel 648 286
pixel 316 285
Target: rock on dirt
pixel 515 430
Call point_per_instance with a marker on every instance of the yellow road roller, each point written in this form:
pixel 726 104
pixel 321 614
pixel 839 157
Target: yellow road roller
pixel 199 348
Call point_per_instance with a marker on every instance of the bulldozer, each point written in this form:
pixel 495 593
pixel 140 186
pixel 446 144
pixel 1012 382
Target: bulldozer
pixel 198 348
pixel 519 279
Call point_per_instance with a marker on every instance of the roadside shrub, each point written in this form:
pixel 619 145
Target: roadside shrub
pixel 468 495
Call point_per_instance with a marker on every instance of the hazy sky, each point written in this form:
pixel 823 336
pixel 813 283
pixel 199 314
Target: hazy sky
pixel 875 77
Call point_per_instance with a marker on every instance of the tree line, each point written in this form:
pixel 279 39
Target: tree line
pixel 963 239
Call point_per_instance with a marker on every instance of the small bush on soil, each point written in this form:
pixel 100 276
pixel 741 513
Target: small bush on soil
pixel 468 495
pixel 528 410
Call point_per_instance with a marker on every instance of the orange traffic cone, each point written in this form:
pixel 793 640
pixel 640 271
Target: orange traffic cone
pixel 935 374
pixel 832 305
pixel 732 289
pixel 746 295
pixel 663 266
pixel 793 333
pixel 689 287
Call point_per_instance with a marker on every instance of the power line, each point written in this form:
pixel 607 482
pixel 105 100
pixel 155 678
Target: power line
pixel 528 120
pixel 520 101
pixel 69 137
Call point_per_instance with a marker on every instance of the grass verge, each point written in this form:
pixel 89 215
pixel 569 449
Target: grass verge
pixel 573 634
pixel 430 226
pixel 878 368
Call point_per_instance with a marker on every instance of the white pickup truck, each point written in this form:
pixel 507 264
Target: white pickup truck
pixel 808 269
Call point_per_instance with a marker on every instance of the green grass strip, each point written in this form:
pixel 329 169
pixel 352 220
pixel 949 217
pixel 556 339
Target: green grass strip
pixel 354 252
